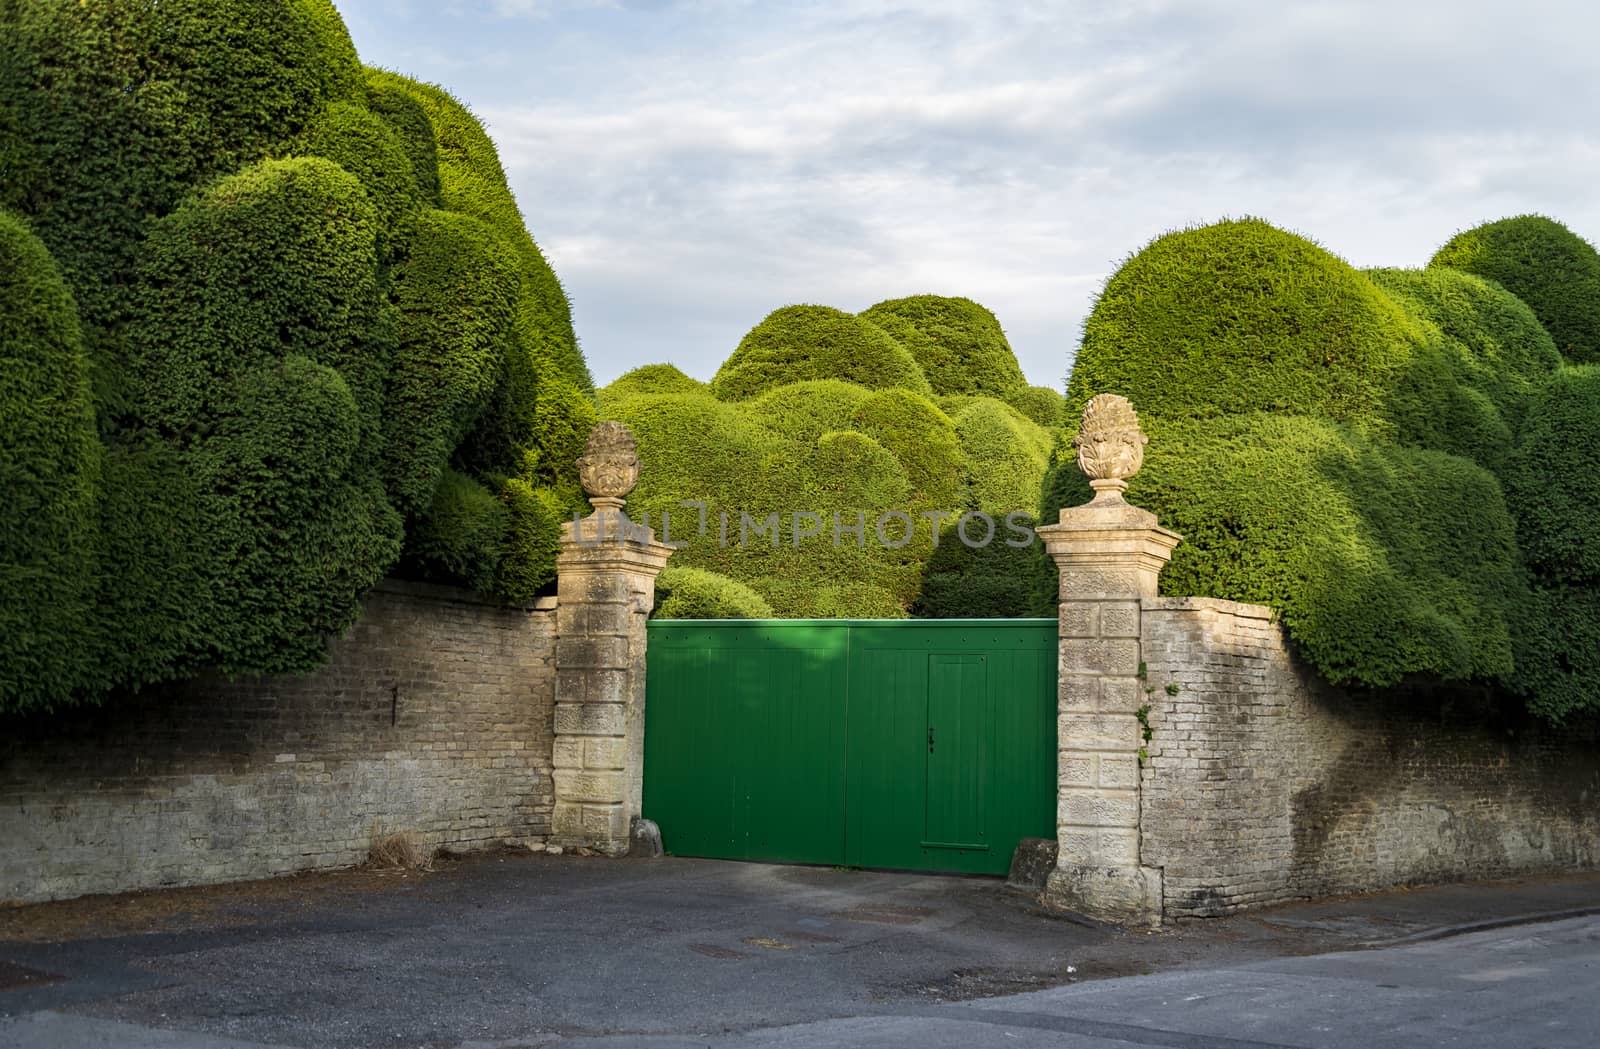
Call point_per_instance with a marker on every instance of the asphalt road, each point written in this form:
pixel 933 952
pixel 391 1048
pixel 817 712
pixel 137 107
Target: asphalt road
pixel 542 952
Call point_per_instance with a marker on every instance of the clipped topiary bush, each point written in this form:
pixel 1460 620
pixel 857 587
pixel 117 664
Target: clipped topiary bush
pixel 1239 317
pixel 1553 480
pixel 957 342
pixel 1320 438
pixel 799 343
pixel 128 106
pixel 921 437
pixel 1545 264
pixel 1382 562
pixel 455 295
pixel 1004 456
pixel 50 472
pixel 693 593
pixel 1041 404
pixel 650 378
pixel 315 322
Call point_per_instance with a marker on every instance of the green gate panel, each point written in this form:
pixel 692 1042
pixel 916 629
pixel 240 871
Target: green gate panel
pixel 924 745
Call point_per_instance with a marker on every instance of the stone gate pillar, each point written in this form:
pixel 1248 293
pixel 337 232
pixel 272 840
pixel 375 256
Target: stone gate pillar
pixel 605 587
pixel 1110 554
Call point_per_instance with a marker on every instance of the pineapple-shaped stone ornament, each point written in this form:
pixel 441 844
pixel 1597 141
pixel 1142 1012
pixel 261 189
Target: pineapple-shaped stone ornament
pixel 1110 445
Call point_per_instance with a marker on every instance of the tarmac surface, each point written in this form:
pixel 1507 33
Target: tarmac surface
pixel 523 950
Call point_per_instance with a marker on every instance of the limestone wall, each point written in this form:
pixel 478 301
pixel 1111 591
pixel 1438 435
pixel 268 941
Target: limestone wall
pixel 433 715
pixel 1262 785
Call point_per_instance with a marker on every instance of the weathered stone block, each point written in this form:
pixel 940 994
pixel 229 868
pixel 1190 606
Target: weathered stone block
pixel 605 752
pixel 587 785
pixel 1128 895
pixel 1080 619
pixel 1119 619
pixel 1031 864
pixel 1088 807
pixel 1075 769
pixel 590 719
pixel 1114 732
pixel 1079 694
pixel 567 753
pixel 1118 656
pixel 1119 770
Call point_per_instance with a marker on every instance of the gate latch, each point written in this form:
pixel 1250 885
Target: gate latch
pixel 930 739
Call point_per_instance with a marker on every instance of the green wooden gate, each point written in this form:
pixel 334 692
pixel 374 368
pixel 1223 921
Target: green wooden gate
pixel 916 744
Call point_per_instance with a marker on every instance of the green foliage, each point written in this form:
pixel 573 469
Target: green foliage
pixel 1327 442
pixel 651 378
pixel 529 564
pixel 1382 562
pixel 1558 653
pixel 804 411
pixel 1239 317
pixel 1545 264
pixel 126 106
pixel 1468 387
pixel 1004 456
pixel 921 437
pixel 693 593
pixel 1553 482
pixel 994 581
pixel 799 343
pixel 463 535
pixel 957 342
pixel 1041 404
pixel 368 147
pixel 454 293
pixel 312 323
pixel 50 472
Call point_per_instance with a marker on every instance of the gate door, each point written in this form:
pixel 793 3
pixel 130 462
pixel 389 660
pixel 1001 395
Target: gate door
pixel 913 744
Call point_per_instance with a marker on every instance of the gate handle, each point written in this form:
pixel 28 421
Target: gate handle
pixel 930 739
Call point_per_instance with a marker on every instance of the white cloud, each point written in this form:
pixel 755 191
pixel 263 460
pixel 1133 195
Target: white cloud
pixel 690 166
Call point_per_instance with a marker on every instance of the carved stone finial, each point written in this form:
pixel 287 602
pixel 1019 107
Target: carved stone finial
pixel 609 465
pixel 1110 445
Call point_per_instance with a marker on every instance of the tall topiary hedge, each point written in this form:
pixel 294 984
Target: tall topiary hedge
pixel 50 472
pixel 1319 436
pixel 957 342
pixel 792 425
pixel 1239 317
pixel 798 343
pixel 319 333
pixel 1545 264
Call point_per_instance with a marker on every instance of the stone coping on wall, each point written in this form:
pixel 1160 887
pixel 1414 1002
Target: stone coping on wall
pixel 1209 604
pixel 456 595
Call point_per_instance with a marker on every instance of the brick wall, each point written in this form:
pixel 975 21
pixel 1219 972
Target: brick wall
pixel 433 715
pixel 1263 785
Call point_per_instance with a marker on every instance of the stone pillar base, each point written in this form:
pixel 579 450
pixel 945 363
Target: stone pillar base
pixel 1125 895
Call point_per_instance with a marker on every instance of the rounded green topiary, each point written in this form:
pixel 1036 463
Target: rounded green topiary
pixel 462 537
pixel 1004 456
pixel 534 538
pixel 543 407
pixel 799 343
pixel 127 106
pixel 50 472
pixel 693 593
pixel 804 411
pixel 455 292
pixel 921 437
pixel 1381 561
pixel 1553 480
pixel 368 147
pixel 958 343
pixel 1545 264
pixel 650 378
pixel 1040 403
pixel 1240 317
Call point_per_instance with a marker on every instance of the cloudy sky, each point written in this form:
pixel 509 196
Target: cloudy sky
pixel 690 166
